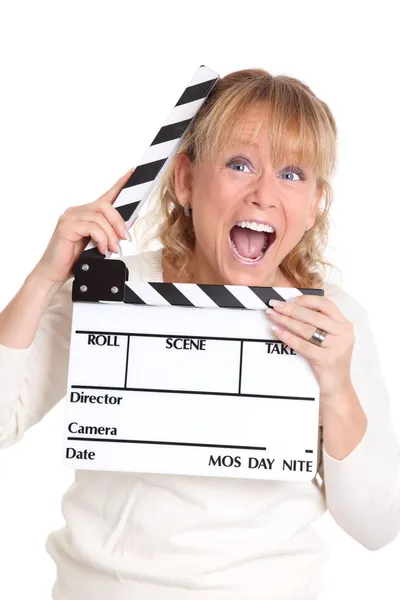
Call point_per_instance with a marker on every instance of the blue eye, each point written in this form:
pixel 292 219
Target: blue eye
pixel 238 162
pixel 294 171
pixel 291 173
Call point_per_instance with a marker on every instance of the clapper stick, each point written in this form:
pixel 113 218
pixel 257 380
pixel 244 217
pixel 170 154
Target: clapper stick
pixel 164 146
pixel 184 378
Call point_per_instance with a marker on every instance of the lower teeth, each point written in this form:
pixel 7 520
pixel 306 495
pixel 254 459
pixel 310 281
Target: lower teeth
pixel 263 250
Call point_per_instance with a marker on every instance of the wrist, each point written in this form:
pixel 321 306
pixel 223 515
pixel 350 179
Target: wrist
pixel 345 423
pixel 343 387
pixel 38 281
pixel 342 400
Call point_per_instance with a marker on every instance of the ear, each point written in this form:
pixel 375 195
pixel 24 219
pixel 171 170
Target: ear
pixel 183 178
pixel 314 206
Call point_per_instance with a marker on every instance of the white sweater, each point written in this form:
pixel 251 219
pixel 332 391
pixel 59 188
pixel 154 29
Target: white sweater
pixel 159 537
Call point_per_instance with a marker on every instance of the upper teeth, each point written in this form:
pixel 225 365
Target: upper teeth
pixel 256 226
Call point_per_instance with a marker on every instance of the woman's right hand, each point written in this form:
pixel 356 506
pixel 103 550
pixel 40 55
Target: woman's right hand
pixel 98 220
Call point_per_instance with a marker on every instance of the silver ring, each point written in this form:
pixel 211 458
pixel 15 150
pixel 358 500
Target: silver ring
pixel 318 337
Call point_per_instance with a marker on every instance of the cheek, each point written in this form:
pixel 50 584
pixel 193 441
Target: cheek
pixel 295 224
pixel 297 209
pixel 211 205
pixel 205 218
pixel 209 221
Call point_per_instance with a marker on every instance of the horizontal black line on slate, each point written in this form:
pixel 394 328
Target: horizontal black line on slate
pixel 174 335
pixel 123 441
pixel 162 391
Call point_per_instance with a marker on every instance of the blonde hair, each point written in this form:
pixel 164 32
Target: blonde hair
pixel 300 127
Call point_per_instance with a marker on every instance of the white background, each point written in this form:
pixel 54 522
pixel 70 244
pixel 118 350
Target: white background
pixel 86 86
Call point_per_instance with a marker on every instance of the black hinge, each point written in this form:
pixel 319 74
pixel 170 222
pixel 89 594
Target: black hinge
pixel 99 280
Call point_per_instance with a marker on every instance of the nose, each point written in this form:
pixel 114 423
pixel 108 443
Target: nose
pixel 263 194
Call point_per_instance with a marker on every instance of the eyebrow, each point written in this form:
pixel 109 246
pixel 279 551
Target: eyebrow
pixel 243 142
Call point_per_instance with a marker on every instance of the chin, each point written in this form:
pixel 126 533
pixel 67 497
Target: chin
pixel 248 279
pixel 232 273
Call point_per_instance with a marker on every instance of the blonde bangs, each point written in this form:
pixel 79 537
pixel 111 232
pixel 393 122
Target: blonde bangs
pixel 299 133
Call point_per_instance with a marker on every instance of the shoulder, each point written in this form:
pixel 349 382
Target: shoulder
pixel 144 266
pixel 351 308
pixel 365 354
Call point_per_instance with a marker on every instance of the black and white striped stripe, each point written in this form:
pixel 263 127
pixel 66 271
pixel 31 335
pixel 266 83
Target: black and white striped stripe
pixel 140 185
pixel 208 296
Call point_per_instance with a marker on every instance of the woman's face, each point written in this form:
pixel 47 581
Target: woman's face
pixel 247 217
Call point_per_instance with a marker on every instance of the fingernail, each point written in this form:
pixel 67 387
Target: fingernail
pixel 292 299
pixel 270 311
pixel 108 254
pixel 127 235
pixel 276 303
pixel 119 249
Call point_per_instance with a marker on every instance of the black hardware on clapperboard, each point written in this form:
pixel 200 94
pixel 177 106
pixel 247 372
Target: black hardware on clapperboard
pixel 97 279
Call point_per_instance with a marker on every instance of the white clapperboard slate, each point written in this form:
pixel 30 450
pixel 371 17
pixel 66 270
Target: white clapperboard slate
pixel 182 378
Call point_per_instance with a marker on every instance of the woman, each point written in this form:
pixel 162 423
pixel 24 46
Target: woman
pixel 261 152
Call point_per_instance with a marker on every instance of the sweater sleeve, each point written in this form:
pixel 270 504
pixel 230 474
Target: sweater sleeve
pixel 363 490
pixel 34 379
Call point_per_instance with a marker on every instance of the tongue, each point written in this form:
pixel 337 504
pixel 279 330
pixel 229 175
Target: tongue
pixel 248 243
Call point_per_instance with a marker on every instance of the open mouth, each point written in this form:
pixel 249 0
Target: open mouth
pixel 250 240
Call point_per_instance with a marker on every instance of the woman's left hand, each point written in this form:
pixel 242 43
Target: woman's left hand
pixel 297 319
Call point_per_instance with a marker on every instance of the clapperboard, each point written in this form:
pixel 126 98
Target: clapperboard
pixel 182 378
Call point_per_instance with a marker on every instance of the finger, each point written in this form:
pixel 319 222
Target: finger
pixel 313 318
pixel 115 219
pixel 93 231
pixel 299 345
pixel 113 192
pixel 299 328
pixel 320 303
pixel 101 221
